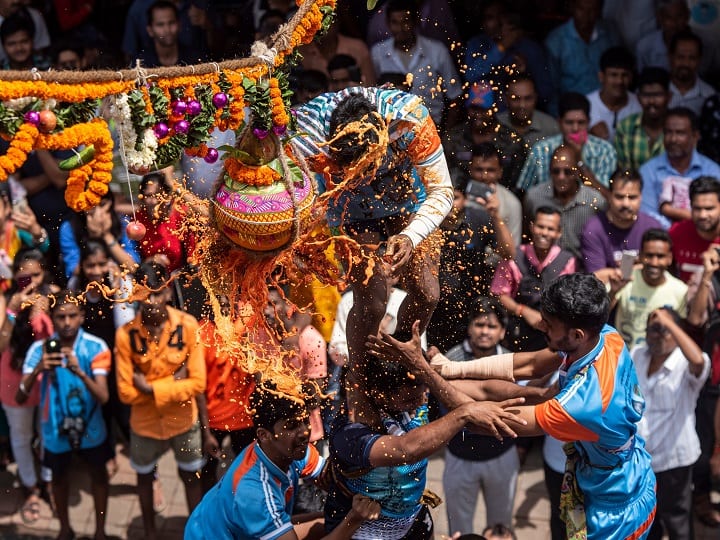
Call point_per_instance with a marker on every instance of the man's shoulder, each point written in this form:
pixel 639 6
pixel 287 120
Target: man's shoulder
pixel 546 146
pixel 177 316
pixel 559 34
pixel 457 353
pixel 629 123
pixel 654 164
pixel 681 229
pixel 596 145
pixel 709 165
pixel 89 340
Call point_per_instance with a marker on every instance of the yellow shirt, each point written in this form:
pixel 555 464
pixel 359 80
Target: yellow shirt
pixel 171 409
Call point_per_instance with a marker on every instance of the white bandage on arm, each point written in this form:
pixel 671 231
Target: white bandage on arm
pixel 499 366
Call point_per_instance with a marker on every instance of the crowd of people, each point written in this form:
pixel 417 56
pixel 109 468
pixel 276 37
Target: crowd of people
pixel 550 167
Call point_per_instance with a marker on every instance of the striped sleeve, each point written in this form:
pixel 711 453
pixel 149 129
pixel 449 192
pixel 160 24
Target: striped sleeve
pixel 557 422
pixel 100 364
pixel 313 463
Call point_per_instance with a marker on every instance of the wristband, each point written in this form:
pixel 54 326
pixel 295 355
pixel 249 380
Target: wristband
pixel 112 244
pixel 10 315
pixel 499 366
pixel 42 238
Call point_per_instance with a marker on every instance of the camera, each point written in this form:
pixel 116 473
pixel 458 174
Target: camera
pixel 73 428
pixel 52 345
pixel 478 189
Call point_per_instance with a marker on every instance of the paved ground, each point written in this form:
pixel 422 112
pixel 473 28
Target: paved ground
pixel 531 506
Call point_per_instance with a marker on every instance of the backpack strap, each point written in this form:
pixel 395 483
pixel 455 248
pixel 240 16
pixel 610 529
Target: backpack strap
pixel 552 270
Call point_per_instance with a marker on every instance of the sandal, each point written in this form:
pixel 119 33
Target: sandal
pixel 705 511
pixel 30 511
pixel 159 502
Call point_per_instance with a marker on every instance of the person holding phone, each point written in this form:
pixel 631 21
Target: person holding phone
pixel 24 318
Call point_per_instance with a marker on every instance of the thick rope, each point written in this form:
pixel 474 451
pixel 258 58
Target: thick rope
pixel 280 43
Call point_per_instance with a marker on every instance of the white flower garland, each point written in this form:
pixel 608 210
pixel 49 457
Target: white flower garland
pixel 137 160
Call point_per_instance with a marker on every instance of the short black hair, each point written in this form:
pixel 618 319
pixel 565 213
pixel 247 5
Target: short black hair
pixel 573 101
pixel 519 77
pixel 485 306
pixel 684 112
pixel 548 211
pixel 268 406
pixel 311 80
pixel 28 254
pixel 66 45
pixel 578 301
pixel 617 57
pixel 161 4
pixel 702 185
pixel 19 21
pixel 341 61
pixel 406 6
pixel 386 376
pixel 348 148
pixel 63 297
pixel 654 75
pixel 685 35
pixel 155 177
pixel 152 274
pixel 486 150
pixel 623 176
pixel 656 235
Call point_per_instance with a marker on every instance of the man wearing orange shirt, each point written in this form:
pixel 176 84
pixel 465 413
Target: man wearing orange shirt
pixel 160 369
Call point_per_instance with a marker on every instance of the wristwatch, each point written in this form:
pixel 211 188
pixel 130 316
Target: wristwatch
pixel 580 164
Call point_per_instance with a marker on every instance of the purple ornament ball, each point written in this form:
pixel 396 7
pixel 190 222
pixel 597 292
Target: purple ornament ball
pixel 279 130
pixel 260 133
pixel 183 126
pixel 161 130
pixel 220 100
pixel 179 107
pixel 32 117
pixel 194 107
pixel 211 156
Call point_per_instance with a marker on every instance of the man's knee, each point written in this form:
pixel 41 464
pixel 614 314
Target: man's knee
pixel 189 477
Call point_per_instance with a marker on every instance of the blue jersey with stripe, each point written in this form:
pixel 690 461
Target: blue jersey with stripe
pixel 254 500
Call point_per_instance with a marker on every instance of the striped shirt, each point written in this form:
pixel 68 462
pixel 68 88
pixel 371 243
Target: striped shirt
pixel 414 158
pixel 573 216
pixel 598 154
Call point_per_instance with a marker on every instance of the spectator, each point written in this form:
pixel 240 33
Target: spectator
pixel 309 85
pixel 522 115
pixel 666 178
pixel 435 78
pixel 687 88
pixel 652 49
pixel 344 72
pixel 612 102
pixel 519 282
pixel 596 157
pixel 478 463
pixel 704 315
pixel 671 372
pixel 692 237
pixel 163 241
pixel 493 58
pixel 41 36
pixel 26 319
pixel 100 223
pixel 575 48
pixel 16 35
pixel 160 370
pixel 195 32
pixel 255 498
pixel 467 260
pixel 318 53
pixel 227 398
pixel 576 202
pixel 502 206
pixel 607 235
pixel 481 127
pixel 639 137
pixel 68 55
pixel 651 287
pixel 72 422
pixel 165 48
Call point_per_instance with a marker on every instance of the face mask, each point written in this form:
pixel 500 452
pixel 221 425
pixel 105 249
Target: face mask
pixel 578 138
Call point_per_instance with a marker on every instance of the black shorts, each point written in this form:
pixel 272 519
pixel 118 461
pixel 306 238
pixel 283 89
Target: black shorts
pixel 97 456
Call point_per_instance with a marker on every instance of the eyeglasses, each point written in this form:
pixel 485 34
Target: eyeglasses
pixel 566 170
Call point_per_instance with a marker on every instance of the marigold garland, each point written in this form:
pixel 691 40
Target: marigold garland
pixel 252 176
pixel 20 146
pixel 279 115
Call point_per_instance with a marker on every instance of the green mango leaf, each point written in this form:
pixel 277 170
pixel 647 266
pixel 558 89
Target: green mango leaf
pixel 371 4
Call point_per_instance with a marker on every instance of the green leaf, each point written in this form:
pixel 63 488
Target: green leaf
pixel 371 4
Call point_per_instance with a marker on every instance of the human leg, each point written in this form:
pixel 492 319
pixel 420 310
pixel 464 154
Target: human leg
pixel 59 464
pixel 145 496
pixel 674 489
pixel 704 418
pixel 144 455
pixel 499 483
pixel 21 421
pixel 187 448
pixel 461 487
pixel 553 484
pixel 100 489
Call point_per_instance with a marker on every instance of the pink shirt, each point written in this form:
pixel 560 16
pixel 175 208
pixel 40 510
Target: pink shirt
pixel 507 275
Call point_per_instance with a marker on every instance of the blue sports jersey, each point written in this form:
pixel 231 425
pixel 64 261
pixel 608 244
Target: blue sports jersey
pixel 64 394
pixel 397 489
pixel 254 500
pixel 598 408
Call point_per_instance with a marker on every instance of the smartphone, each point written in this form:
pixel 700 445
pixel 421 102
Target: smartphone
pixel 627 263
pixel 52 345
pixel 478 189
pixel 20 206
pixel 23 282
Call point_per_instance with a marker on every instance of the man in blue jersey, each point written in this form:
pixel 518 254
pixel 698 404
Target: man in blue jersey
pixel 387 186
pixel 609 486
pixel 254 499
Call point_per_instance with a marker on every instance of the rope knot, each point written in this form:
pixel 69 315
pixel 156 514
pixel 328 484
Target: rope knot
pixel 261 51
